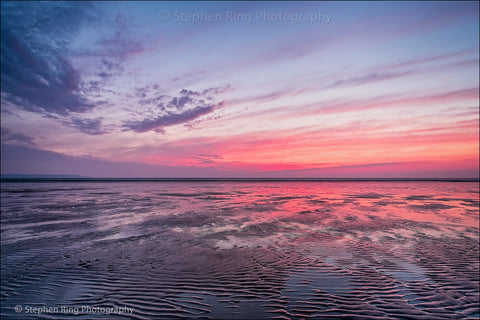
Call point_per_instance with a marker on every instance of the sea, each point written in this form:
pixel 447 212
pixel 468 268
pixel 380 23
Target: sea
pixel 239 249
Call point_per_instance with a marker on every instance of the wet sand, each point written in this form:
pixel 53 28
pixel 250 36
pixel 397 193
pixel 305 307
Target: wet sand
pixel 240 250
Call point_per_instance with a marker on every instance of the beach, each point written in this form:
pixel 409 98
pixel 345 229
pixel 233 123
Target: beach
pixel 240 250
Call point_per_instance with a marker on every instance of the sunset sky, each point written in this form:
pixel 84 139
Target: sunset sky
pixel 240 89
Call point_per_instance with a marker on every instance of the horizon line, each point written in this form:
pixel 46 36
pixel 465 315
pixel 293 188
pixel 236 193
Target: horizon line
pixel 71 178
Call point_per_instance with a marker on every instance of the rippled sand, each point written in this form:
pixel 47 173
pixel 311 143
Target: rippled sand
pixel 240 250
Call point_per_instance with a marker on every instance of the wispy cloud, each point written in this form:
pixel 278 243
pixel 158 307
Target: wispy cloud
pixel 381 102
pixel 369 78
pixel 418 66
pixel 85 125
pixel 207 158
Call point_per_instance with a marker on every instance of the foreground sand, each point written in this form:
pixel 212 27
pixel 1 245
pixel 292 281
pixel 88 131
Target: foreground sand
pixel 383 250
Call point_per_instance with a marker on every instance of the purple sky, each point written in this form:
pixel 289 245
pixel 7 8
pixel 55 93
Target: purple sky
pixel 240 89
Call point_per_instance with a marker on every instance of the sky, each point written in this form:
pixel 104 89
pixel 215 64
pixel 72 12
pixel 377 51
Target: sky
pixel 240 89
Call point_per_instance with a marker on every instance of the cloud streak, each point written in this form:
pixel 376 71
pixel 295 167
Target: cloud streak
pixel 88 126
pixel 8 136
pixel 207 158
pixel 186 107
pixel 169 119
pixel 369 78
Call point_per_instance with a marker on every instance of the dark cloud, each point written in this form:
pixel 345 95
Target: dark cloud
pixel 166 111
pixel 149 95
pixel 110 68
pixel 142 92
pixel 8 136
pixel 89 126
pixel 169 119
pixel 35 71
pixel 180 102
pixel 189 92
pixel 207 92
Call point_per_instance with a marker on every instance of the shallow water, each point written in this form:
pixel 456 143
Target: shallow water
pixel 240 250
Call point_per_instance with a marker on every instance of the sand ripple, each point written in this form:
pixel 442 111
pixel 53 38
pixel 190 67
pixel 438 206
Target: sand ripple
pixel 241 252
